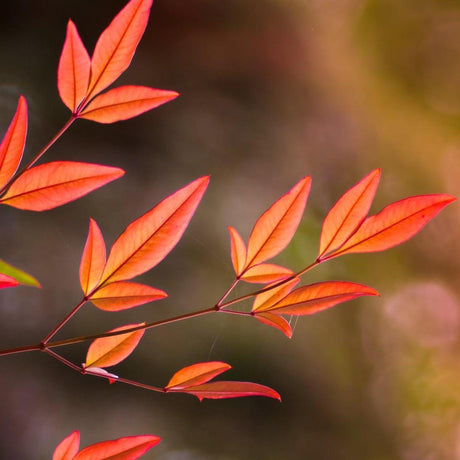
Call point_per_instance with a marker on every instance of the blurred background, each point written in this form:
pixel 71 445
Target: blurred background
pixel 271 90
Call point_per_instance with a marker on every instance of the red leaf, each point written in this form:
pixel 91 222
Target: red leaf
pixel 275 228
pixel 147 240
pixel 108 351
pixel 348 213
pixel 223 389
pixel 307 300
pixel 266 273
pixel 68 447
pixel 54 184
pixel 267 299
pixel 6 281
pixel 238 251
pixel 275 321
pixel 117 44
pixel 125 102
pixel 125 294
pixel 12 146
pixel 196 374
pixel 93 258
pixel 73 70
pixel 394 224
pixel 128 448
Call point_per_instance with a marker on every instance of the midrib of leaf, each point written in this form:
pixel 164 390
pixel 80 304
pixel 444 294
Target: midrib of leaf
pixel 86 112
pixel 313 301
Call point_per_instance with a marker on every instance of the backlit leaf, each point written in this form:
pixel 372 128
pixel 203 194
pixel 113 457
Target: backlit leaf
pixel 307 300
pixel 196 374
pixel 275 228
pixel 68 447
pixel 93 258
pixel 108 351
pixel 125 102
pixel 237 251
pixel 128 448
pixel 147 240
pixel 117 44
pixel 265 300
pixel 6 281
pixel 275 321
pixel 266 273
pixel 394 224
pixel 12 146
pixel 224 389
pixel 125 294
pixel 19 275
pixel 348 213
pixel 73 70
pixel 54 184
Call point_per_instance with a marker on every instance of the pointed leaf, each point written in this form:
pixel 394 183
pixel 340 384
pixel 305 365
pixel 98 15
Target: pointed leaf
pixel 275 321
pixel 275 228
pixel 394 224
pixel 307 300
pixel 348 213
pixel 12 146
pixel 125 102
pixel 108 351
pixel 266 273
pixel 117 44
pixel 147 240
pixel 19 275
pixel 238 251
pixel 6 281
pixel 196 374
pixel 93 258
pixel 267 299
pixel 125 294
pixel 128 448
pixel 68 447
pixel 224 389
pixel 73 70
pixel 54 184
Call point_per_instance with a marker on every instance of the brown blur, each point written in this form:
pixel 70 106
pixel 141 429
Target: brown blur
pixel 271 90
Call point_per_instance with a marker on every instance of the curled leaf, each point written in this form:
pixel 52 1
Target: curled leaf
pixel 54 184
pixel 125 102
pixel 12 146
pixel 196 374
pixel 108 351
pixel 275 321
pixel 122 295
pixel 238 251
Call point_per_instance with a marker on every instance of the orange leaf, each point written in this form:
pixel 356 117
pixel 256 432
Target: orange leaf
pixel 224 389
pixel 275 228
pixel 73 70
pixel 275 321
pixel 238 251
pixel 54 184
pixel 147 240
pixel 267 299
pixel 93 258
pixel 307 300
pixel 394 224
pixel 68 447
pixel 266 273
pixel 196 374
pixel 348 213
pixel 108 351
pixel 12 146
pixel 125 294
pixel 128 448
pixel 125 102
pixel 6 281
pixel 117 44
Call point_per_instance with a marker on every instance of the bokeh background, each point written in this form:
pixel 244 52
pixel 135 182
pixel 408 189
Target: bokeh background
pixel 271 90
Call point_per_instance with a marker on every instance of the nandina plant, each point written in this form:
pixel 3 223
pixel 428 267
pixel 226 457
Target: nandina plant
pixel 106 280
